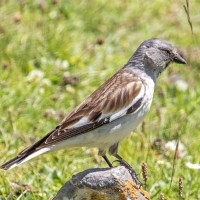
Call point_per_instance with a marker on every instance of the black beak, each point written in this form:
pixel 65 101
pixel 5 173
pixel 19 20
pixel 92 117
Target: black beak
pixel 178 59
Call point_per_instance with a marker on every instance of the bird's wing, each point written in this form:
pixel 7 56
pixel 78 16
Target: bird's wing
pixel 120 95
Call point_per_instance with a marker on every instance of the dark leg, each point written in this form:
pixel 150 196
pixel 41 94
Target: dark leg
pixel 131 170
pixel 107 161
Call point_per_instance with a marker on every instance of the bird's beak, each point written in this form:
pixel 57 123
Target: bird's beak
pixel 178 59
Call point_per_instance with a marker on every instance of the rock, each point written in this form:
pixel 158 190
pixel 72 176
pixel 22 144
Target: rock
pixel 102 184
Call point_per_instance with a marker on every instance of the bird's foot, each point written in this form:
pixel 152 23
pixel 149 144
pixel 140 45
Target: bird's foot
pixel 131 170
pixel 133 173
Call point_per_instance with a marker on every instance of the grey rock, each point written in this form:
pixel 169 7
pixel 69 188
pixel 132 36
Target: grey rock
pixel 102 184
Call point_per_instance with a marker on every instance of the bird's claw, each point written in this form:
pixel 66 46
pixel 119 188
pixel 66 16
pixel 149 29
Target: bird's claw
pixel 132 172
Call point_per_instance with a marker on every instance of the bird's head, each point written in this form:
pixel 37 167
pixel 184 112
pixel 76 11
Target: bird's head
pixel 159 53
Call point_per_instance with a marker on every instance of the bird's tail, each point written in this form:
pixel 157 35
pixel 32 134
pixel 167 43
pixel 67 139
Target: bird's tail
pixel 18 160
pixel 27 154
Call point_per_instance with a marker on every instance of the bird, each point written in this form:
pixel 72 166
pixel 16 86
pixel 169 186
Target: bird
pixel 111 112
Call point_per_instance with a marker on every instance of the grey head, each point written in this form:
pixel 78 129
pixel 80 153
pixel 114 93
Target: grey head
pixel 156 54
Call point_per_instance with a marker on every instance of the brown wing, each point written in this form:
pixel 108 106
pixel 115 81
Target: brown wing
pixel 114 95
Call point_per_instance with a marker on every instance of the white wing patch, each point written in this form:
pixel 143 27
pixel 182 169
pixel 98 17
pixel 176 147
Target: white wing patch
pixel 112 116
pixel 81 122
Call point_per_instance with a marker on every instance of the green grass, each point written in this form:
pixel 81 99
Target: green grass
pixel 62 37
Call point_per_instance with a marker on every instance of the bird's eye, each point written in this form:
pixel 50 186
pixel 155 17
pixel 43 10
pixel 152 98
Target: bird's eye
pixel 166 51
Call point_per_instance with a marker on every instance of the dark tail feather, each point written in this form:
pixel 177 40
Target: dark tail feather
pixel 11 162
pixel 26 154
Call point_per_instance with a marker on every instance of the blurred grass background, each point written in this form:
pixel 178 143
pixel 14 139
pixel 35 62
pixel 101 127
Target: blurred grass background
pixel 54 53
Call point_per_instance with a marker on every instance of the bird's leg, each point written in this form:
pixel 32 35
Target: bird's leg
pixel 131 170
pixel 107 161
pixel 103 154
